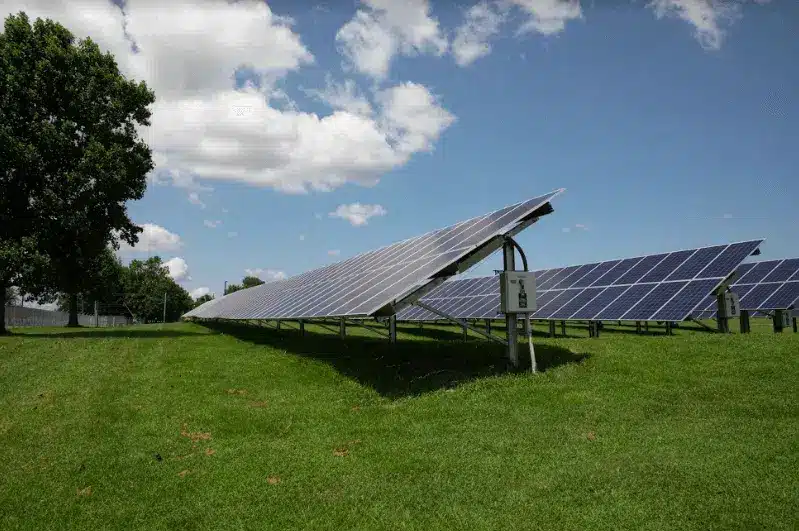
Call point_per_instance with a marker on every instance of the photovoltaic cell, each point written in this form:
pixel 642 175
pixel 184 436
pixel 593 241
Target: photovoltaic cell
pixel 583 292
pixel 364 284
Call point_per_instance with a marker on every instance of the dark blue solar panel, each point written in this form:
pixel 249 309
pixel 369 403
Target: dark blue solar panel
pixel 592 276
pixel 681 306
pixel 667 266
pixel 576 275
pixel 583 298
pixel 544 274
pixel 544 297
pixel 653 301
pixel 742 270
pixel 758 272
pixel 599 302
pixel 755 299
pixel 729 259
pixel 489 308
pixel 784 271
pixel 621 305
pixel 556 303
pixel 785 297
pixel 556 278
pixel 696 263
pixel 614 274
pixel 642 268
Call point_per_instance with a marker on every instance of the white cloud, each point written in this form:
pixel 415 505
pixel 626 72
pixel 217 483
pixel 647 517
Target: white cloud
pixel 382 29
pixel 178 269
pixel 211 224
pixel 153 239
pixel 318 215
pixel 232 234
pixel 547 17
pixel 187 52
pixel 358 214
pixel 412 117
pixel 194 199
pixel 706 16
pixel 482 21
pixel 334 252
pixel 199 292
pixel 267 275
pixel 581 226
pixel 302 237
pixel 343 97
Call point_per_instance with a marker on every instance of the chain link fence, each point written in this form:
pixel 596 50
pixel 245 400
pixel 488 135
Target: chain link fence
pixel 17 316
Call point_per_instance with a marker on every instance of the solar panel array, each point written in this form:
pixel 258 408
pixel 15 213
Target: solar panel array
pixel 768 285
pixel 661 287
pixel 366 283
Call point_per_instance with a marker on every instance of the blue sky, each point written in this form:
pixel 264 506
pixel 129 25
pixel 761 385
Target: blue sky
pixel 667 131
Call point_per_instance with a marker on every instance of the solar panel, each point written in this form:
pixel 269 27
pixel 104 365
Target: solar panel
pixel 662 287
pixel 372 283
pixel 767 285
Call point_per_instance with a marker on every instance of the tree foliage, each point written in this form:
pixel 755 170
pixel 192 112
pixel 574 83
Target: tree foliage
pixel 72 156
pixel 251 282
pixel 145 283
pixel 202 300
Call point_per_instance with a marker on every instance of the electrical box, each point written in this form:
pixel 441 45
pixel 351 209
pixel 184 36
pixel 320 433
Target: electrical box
pixel 786 319
pixel 517 292
pixel 731 308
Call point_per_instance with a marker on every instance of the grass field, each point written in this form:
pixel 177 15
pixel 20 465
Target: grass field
pixel 185 427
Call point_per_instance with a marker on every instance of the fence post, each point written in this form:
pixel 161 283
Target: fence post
pixel 164 321
pixel 96 316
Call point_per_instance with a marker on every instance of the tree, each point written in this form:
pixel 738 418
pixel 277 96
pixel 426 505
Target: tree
pixel 9 298
pixel 106 288
pixel 202 300
pixel 233 288
pixel 145 283
pixel 73 157
pixel 250 282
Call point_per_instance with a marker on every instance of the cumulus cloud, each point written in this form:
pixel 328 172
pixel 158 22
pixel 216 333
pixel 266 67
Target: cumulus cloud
pixel 153 238
pixel 482 21
pixel 708 17
pixel 547 17
pixel 203 129
pixel 211 224
pixel 199 292
pixel 358 214
pixel 381 29
pixel 267 275
pixel 178 269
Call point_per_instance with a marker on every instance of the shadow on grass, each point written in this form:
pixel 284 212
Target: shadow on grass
pixel 453 333
pixel 121 333
pixel 409 367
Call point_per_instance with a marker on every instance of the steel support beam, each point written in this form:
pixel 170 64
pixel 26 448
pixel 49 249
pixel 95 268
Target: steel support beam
pixel 563 328
pixel 392 329
pixel 509 263
pixel 638 327
pixel 302 327
pixel 777 320
pixel 745 328
pixel 368 327
pixel 342 328
pixel 552 329
pixel 462 323
pixel 488 326
pixel 794 326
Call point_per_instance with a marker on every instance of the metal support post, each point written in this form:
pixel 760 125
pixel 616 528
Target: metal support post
pixel 745 329
pixel 794 325
pixel 638 327
pixel 722 320
pixel 164 321
pixel 342 327
pixel 646 326
pixel 392 329
pixel 277 325
pixel 777 319
pixel 465 333
pixel 552 329
pixel 96 315
pixel 509 263
pixel 302 327
pixel 563 328
pixel 668 329
pixel 488 326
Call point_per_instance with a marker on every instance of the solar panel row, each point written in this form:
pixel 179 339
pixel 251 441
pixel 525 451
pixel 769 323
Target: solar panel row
pixel 366 283
pixel 768 285
pixel 662 287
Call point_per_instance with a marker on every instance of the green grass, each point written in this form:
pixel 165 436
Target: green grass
pixel 695 431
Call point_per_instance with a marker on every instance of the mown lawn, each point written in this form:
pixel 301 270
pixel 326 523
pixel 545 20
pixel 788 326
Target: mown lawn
pixel 184 427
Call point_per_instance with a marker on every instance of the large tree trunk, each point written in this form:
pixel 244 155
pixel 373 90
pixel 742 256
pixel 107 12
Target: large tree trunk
pixel 73 311
pixel 3 329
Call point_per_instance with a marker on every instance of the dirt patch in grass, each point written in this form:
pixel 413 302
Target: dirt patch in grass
pixel 273 480
pixel 258 403
pixel 184 473
pixel 210 451
pixel 236 391
pixel 85 492
pixel 195 436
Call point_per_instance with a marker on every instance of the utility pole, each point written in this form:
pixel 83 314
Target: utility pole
pixel 224 291
pixel 164 321
pixel 96 315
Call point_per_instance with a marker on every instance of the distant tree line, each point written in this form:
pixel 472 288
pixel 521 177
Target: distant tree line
pixel 70 160
pixel 247 282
